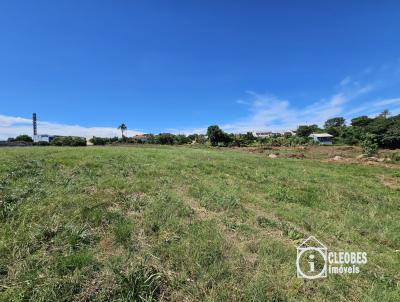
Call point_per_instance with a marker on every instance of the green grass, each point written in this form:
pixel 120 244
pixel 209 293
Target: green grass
pixel 155 223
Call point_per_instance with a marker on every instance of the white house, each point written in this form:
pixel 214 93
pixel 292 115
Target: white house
pixel 264 134
pixel 322 138
pixel 42 138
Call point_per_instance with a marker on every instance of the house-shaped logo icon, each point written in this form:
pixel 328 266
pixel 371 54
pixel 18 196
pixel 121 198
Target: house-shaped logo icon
pixel 307 253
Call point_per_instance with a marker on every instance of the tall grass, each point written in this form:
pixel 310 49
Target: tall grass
pixel 189 224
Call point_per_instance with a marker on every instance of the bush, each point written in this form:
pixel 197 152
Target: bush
pixel 165 139
pixel 68 141
pixel 41 144
pixel 291 141
pixel 369 144
pixel 197 138
pixel 24 138
pixel 391 139
pixel 181 139
pixel 395 157
pixel 99 141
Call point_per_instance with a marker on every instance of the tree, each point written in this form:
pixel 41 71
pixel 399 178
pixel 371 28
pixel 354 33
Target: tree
pixel 335 126
pixel 378 125
pixel 181 139
pixel 391 139
pixel 123 128
pixel 197 138
pixel 98 141
pixel 361 121
pixel 215 135
pixel 24 138
pixel 249 137
pixel 351 135
pixel 334 122
pixel 165 139
pixel 306 130
pixel 385 113
pixel 68 141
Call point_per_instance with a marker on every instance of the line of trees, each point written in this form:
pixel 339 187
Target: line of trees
pixel 382 131
pixel 68 141
pixel 57 141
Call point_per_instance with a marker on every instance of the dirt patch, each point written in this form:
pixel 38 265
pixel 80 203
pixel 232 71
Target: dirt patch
pixel 90 289
pixel 390 182
pixel 108 248
pixel 331 154
pixel 346 148
pixel 294 155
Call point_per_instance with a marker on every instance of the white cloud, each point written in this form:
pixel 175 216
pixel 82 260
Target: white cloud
pixel 394 101
pixel 338 99
pixel 6 121
pixel 345 81
pixel 241 102
pixel 268 112
pixel 11 126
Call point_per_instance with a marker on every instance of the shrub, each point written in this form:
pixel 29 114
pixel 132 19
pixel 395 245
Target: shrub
pixel 68 141
pixel 181 139
pixel 391 139
pixel 395 157
pixel 98 141
pixel 165 139
pixel 24 138
pixel 42 144
pixel 369 144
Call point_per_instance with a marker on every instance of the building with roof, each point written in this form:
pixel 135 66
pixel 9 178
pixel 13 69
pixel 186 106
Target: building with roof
pixel 43 138
pixel 264 134
pixel 141 138
pixel 322 138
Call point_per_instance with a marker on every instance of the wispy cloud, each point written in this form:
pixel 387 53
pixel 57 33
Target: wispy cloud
pixel 242 102
pixel 345 81
pixel 270 112
pixel 11 126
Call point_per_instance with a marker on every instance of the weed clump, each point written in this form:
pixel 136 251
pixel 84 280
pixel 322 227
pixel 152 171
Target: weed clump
pixel 141 283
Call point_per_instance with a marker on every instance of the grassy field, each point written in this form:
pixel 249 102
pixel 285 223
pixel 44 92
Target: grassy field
pixel 186 224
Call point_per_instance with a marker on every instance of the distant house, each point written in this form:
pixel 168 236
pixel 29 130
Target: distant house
pixel 141 138
pixel 322 138
pixel 42 138
pixel 88 142
pixel 264 134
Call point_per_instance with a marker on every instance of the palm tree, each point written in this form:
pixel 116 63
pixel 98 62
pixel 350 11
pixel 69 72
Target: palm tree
pixel 123 128
pixel 385 113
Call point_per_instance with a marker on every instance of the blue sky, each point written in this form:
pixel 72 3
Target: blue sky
pixel 179 66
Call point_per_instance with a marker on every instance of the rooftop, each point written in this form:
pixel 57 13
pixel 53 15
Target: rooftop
pixel 320 135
